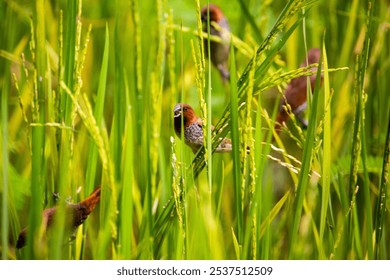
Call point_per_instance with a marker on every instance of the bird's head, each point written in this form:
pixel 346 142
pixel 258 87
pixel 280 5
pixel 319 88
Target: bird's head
pixel 215 13
pixel 183 113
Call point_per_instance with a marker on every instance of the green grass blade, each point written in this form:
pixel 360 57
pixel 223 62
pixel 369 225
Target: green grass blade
pixel 126 213
pixel 236 150
pixel 4 175
pixel 382 196
pixel 355 157
pixel 98 114
pixel 359 150
pixel 5 43
pixel 38 132
pixel 327 152
pixel 92 160
pixel 273 214
pixel 368 223
pixel 119 101
pixel 303 180
pixel 207 112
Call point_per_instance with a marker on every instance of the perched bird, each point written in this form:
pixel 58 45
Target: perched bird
pixel 75 215
pixel 295 93
pixel 193 132
pixel 219 51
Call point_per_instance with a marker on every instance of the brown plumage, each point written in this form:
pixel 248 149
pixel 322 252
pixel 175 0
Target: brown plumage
pixel 219 51
pixel 295 93
pixel 75 215
pixel 193 132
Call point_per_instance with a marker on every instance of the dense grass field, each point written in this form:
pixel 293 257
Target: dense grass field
pixel 87 95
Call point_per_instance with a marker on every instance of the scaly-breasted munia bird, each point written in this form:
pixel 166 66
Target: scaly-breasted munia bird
pixel 296 91
pixel 193 131
pixel 75 215
pixel 219 51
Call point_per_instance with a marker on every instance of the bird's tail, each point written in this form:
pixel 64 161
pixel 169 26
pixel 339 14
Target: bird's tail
pixel 91 201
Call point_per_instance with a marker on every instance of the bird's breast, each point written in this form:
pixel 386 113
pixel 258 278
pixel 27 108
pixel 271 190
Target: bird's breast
pixel 193 135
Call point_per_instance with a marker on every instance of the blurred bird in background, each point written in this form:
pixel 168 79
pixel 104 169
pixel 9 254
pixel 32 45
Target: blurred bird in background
pixel 219 51
pixel 75 215
pixel 296 92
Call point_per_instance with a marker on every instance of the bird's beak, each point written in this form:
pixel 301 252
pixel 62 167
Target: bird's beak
pixel 177 111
